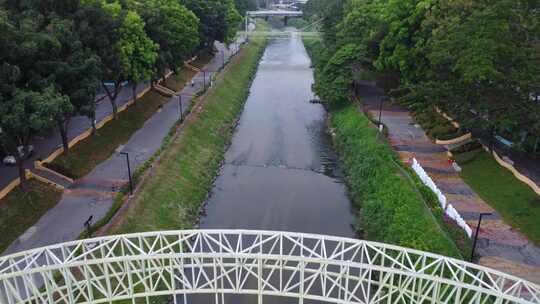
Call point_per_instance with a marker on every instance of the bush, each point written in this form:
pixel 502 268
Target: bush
pixel 468 147
pixel 443 132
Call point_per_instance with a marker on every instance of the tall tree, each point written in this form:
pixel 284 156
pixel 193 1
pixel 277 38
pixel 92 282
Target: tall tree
pixel 138 53
pixel 217 17
pixel 24 111
pixel 98 25
pixel 174 28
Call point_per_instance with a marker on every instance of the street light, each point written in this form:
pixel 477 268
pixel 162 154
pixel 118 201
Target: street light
pixel 129 172
pixel 476 233
pixel 204 80
pixel 181 114
pixel 381 104
pixel 223 56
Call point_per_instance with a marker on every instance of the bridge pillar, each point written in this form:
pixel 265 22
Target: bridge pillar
pixel 286 20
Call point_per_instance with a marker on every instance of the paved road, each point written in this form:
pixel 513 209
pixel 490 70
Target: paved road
pixel 500 246
pixel 93 194
pixel 46 143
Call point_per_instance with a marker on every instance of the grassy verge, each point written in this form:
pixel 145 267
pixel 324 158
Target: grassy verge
pixel 177 81
pixel 21 209
pixel 88 153
pixel 93 150
pixel 181 180
pixel 515 201
pixel 390 208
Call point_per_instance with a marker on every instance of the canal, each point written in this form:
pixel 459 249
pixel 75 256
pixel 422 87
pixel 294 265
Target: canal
pixel 280 172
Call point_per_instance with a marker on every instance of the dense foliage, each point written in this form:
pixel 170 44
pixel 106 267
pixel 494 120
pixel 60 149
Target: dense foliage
pixel 391 210
pixel 478 60
pixel 56 54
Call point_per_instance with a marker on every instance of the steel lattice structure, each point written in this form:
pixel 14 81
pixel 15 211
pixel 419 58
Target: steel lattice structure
pixel 258 263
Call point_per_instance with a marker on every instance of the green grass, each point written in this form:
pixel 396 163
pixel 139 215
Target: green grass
pixel 93 150
pixel 515 201
pixel 177 81
pixel 21 209
pixel 203 57
pixel 171 198
pixel 390 208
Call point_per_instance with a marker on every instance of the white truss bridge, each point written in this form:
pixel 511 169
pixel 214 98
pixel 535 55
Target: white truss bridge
pixel 137 267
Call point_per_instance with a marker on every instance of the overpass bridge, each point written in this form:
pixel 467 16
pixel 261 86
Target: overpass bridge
pixel 274 13
pixel 305 267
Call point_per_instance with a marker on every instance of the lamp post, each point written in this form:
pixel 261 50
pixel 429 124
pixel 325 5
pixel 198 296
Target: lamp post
pixel 181 114
pixel 476 233
pixel 381 104
pixel 204 80
pixel 129 172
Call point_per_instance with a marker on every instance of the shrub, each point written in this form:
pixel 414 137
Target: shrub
pixel 468 147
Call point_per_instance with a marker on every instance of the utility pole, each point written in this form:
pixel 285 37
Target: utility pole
pixel 129 172
pixel 476 234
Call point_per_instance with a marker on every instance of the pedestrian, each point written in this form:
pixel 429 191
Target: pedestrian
pixel 192 82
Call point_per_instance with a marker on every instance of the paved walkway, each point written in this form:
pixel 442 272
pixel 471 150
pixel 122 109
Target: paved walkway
pixel 93 195
pixel 499 246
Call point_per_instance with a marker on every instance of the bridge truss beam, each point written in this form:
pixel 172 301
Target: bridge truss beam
pixel 261 263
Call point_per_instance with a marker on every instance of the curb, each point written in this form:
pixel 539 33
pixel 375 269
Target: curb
pixel 16 182
pixel 455 140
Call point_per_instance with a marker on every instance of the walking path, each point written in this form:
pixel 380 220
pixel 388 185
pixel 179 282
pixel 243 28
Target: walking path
pixel 93 195
pixel 499 246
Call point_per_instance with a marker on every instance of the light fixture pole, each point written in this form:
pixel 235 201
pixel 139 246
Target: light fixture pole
pixel 381 103
pixel 180 108
pixel 476 233
pixel 204 80
pixel 129 172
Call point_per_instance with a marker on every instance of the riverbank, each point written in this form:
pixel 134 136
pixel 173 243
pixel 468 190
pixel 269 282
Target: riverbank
pixel 171 197
pixel 389 208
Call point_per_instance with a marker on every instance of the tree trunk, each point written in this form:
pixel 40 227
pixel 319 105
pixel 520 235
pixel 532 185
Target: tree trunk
pixel 93 122
pixel 22 172
pixel 112 97
pixel 62 126
pixel 134 92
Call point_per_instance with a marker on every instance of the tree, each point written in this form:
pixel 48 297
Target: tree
pixel 74 71
pixel 138 53
pixel 217 18
pixel 25 113
pixel 243 6
pixel 174 28
pixel 334 83
pixel 98 25
pixel 486 57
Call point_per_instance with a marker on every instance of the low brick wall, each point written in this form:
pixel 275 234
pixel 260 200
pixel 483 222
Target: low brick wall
pixel 454 141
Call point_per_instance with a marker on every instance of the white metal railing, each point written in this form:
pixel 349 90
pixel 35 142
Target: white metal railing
pixel 260 263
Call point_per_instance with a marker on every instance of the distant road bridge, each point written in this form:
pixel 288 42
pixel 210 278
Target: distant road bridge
pixel 274 13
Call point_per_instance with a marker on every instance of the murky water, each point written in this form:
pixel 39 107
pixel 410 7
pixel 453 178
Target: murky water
pixel 280 171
